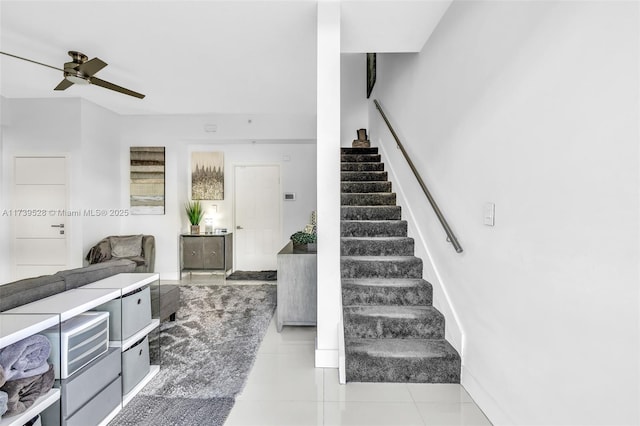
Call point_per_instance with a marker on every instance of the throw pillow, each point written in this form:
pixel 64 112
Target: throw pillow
pixel 127 246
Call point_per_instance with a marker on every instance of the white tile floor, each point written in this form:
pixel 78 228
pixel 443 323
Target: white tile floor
pixel 284 388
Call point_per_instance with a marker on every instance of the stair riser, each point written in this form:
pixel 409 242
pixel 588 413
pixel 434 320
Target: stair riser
pixel 392 228
pixel 362 167
pixel 360 158
pixel 362 368
pixel 362 187
pixel 363 296
pixel 365 327
pixel 377 247
pixel 381 269
pixel 370 213
pixel 363 176
pixel 370 150
pixel 376 199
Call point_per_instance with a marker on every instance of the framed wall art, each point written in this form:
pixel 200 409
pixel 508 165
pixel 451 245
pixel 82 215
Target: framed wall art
pixel 371 72
pixel 147 180
pixel 207 176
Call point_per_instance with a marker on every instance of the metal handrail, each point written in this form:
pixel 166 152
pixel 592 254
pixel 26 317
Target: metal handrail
pixel 450 235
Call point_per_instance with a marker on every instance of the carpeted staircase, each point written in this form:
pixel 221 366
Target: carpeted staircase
pixel 392 332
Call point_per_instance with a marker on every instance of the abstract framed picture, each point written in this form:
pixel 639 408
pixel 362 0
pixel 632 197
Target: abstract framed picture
pixel 371 72
pixel 207 175
pixel 147 180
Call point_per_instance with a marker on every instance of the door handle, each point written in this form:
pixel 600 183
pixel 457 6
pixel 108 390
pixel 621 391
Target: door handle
pixel 239 227
pixel 58 226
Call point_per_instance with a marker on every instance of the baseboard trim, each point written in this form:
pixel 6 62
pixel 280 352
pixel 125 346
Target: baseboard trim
pixel 326 358
pixel 484 400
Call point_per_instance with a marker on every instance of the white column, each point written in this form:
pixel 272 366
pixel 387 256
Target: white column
pixel 328 173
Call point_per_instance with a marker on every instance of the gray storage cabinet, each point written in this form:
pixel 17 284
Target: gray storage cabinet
pixel 297 289
pixel 128 314
pixel 89 395
pixel 206 252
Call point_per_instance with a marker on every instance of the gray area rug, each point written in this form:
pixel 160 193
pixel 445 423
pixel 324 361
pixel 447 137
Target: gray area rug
pixel 253 276
pixel 207 354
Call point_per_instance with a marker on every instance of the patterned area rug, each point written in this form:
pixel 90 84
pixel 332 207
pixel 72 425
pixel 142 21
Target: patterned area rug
pixel 253 276
pixel 207 354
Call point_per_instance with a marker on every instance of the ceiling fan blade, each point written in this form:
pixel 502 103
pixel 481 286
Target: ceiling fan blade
pixel 115 87
pixel 29 60
pixel 64 84
pixel 91 67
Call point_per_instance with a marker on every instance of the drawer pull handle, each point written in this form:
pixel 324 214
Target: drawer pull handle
pixel 213 252
pixel 139 301
pixel 193 253
pixel 140 353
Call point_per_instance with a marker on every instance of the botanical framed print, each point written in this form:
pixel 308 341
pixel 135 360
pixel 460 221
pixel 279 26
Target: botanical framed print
pixel 207 176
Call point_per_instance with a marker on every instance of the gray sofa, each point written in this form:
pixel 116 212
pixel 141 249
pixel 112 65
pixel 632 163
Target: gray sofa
pixel 29 290
pixel 139 248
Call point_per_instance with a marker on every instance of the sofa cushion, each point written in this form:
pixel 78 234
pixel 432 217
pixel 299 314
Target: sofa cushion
pixel 29 290
pixel 126 246
pixel 75 278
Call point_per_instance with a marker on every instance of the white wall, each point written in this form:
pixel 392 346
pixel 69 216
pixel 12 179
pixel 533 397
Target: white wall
pixel 353 96
pixel 532 106
pixel 5 228
pixel 100 163
pixel 328 172
pixel 45 127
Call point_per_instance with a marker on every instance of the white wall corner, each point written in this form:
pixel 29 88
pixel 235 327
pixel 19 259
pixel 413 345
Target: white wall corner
pixel 328 182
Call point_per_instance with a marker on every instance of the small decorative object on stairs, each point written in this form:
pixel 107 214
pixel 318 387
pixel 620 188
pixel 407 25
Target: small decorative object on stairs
pixel 195 214
pixel 362 141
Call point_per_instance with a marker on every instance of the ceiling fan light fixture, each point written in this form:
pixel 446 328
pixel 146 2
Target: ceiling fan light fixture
pixel 76 79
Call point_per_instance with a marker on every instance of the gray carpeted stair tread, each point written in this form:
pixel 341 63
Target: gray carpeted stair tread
pixel 363 176
pixel 362 167
pixel 368 199
pixel 376 246
pixel 370 213
pixel 376 291
pixel 373 228
pixel 402 360
pixel 359 150
pixel 380 267
pixel 396 321
pixel 368 187
pixel 360 158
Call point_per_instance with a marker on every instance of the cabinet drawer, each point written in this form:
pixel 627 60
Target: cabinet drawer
pixel 129 314
pixel 135 365
pixel 89 381
pixel 99 407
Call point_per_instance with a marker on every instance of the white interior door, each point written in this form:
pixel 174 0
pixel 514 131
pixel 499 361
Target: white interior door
pixel 257 217
pixel 39 222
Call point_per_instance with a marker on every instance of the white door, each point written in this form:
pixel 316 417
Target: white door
pixel 39 216
pixel 257 217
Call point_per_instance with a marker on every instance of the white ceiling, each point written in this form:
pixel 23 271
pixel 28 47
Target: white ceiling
pixel 193 57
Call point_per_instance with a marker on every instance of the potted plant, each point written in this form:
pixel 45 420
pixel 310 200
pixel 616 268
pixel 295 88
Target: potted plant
pixel 304 241
pixel 194 213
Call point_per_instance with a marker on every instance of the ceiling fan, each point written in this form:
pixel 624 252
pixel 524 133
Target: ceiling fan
pixel 81 70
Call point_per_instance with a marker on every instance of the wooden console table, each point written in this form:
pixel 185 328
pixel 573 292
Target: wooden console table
pixel 297 287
